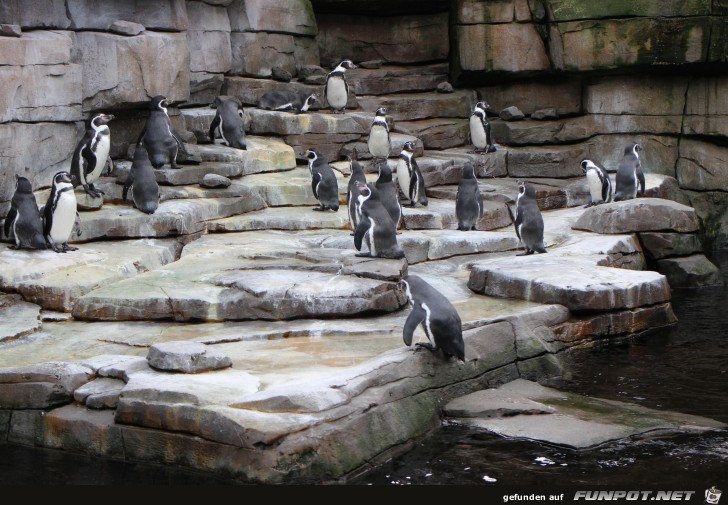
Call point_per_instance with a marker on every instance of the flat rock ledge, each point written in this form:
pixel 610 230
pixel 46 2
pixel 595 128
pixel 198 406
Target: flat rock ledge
pixel 525 409
pixel 638 215
pixel 186 357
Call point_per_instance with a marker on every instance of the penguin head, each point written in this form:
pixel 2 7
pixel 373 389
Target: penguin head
pixel 22 185
pixel 309 101
pixel 159 102
pixel 632 149
pixel 381 111
pixel 409 146
pixel 482 105
pixel 468 171
pixel 385 173
pixel 586 165
pixel 636 149
pixel 61 178
pixel 313 154
pixel 521 186
pixel 365 191
pixel 346 64
pixel 100 120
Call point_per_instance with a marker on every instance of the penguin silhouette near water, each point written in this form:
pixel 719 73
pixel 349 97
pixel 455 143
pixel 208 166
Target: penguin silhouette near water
pixel 24 222
pixel 60 214
pixel 142 182
pixel 323 181
pixel 379 142
pixel 230 121
pixel 336 89
pixel 91 154
pixel 468 200
pixel 388 193
pixel 437 317
pixel 161 140
pixel 356 176
pixel 528 221
pixel 286 100
pixel 408 172
pixel 630 180
pixel 480 134
pixel 598 182
pixel 375 227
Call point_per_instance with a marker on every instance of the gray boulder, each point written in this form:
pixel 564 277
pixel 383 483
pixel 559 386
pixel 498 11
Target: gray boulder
pixel 637 215
pixel 213 181
pixel 126 28
pixel 511 113
pixel 690 271
pixel 187 357
pixel 42 385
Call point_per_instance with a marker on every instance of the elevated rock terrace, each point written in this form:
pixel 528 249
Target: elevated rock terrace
pixel 319 385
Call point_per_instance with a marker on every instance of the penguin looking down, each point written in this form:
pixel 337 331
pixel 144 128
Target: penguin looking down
pixel 600 186
pixel 287 101
pixel 411 174
pixel 323 181
pixel 529 221
pixel 480 135
pixel 379 142
pixel 468 200
pixel 375 227
pixel 160 138
pixel 436 315
pixel 142 182
pixel 60 213
pixel 24 219
pixel 91 154
pixel 352 203
pixel 230 120
pixel 336 89
pixel 630 179
pixel 388 192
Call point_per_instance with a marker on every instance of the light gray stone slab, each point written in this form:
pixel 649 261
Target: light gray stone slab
pixel 186 357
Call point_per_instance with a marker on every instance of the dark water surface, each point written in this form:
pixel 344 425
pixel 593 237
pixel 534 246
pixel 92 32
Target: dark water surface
pixel 684 368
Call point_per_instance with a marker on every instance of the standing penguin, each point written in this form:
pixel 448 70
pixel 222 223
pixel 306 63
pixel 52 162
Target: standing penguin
pixel 468 201
pixel 437 316
pixel 357 175
pixel 24 218
pixel 287 101
pixel 230 119
pixel 378 141
pixel 528 222
pixel 630 177
pixel 410 174
pixel 60 214
pixel 388 193
pixel 600 186
pixel 480 129
pixel 143 182
pixel 336 89
pixel 375 227
pixel 91 154
pixel 160 138
pixel 323 181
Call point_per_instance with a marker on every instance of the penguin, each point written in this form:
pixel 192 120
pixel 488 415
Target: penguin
pixel 528 222
pixel 357 175
pixel 375 227
pixel 480 129
pixel 230 120
pixel 60 214
pixel 388 193
pixel 415 181
pixel 287 101
pixel 160 138
pixel 600 186
pixel 91 154
pixel 379 142
pixel 323 181
pixel 24 218
pixel 143 182
pixel 468 200
pixel 630 177
pixel 437 316
pixel 336 89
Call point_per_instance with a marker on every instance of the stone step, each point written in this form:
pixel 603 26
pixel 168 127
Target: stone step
pixel 413 106
pixel 390 79
pixel 282 218
pixel 249 89
pixel 438 133
pixel 18 318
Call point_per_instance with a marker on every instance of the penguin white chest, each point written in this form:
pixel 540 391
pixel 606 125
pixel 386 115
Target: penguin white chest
pixel 477 132
pixel 403 176
pixel 370 237
pixel 102 154
pixel 336 93
pixel 379 141
pixel 595 185
pixel 64 217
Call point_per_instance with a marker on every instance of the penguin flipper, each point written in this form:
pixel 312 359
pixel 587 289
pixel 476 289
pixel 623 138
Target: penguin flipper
pixel 9 220
pixel 141 135
pixel 315 180
pixel 641 179
pixel 361 230
pixel 127 185
pixel 517 224
pixel 215 123
pixel 415 318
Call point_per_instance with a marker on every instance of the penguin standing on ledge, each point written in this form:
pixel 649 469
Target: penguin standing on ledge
pixel 375 227
pixel 91 154
pixel 160 138
pixel 630 177
pixel 323 181
pixel 480 129
pixel 336 89
pixel 60 214
pixel 528 222
pixel 600 186
pixel 24 218
pixel 437 316
pixel 230 120
pixel 142 182
pixel 379 142
pixel 388 193
pixel 352 203
pixel 415 188
pixel 468 200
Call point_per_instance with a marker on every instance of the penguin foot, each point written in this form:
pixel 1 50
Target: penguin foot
pixel 14 247
pixel 491 149
pixel 67 247
pixel 426 345
pixel 525 253
pixel 319 209
pixel 364 255
pixel 589 205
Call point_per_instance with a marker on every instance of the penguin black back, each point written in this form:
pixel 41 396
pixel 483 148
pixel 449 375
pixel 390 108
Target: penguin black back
pixel 24 218
pixel 161 139
pixel 388 192
pixel 469 200
pixel 436 315
pixel 529 221
pixel 375 227
pixel 230 120
pixel 630 179
pixel 143 182
pixel 323 181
